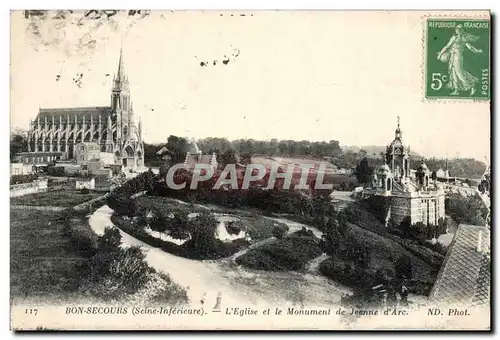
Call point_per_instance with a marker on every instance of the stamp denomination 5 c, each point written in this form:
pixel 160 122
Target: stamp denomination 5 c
pixel 457 59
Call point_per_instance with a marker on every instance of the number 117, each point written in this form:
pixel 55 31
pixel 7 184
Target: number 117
pixel 31 311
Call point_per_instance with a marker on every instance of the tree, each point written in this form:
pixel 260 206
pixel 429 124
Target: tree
pixel 202 229
pixel 228 157
pixel 18 143
pixel 364 172
pixel 179 147
pixel 334 236
pixel 158 222
pixel 405 226
pixel 403 268
pixel 353 250
pixel 468 210
pixel 246 158
pixel 321 209
pixel 177 227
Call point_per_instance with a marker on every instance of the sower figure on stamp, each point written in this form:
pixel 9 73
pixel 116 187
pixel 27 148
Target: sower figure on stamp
pixel 452 53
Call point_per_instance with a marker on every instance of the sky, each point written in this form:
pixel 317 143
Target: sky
pixel 313 76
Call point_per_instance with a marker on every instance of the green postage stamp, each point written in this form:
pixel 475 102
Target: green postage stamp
pixel 457 59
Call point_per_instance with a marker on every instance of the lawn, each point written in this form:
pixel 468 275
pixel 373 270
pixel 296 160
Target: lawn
pixel 62 198
pixel 42 260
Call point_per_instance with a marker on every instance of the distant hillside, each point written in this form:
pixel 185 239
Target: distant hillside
pixel 458 167
pixel 372 151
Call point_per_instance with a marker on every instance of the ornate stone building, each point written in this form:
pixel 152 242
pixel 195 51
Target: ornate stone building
pixel 113 128
pixel 414 196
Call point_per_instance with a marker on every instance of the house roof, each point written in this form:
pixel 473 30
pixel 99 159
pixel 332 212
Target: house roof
pixel 79 112
pixel 164 150
pixel 465 274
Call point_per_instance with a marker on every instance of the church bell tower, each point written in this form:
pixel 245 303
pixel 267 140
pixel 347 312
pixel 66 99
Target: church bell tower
pixel 120 101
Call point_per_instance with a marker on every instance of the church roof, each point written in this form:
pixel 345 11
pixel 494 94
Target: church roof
pixel 79 112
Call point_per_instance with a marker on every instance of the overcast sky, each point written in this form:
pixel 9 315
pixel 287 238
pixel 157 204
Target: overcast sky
pixel 288 75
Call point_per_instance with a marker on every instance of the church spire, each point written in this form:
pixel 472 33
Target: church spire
pixel 121 80
pixel 121 67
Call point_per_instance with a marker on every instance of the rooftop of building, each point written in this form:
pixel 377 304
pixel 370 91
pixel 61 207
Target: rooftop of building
pixel 465 276
pixel 65 113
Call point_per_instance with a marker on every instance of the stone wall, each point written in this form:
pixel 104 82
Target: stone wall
pixel 34 187
pixel 400 208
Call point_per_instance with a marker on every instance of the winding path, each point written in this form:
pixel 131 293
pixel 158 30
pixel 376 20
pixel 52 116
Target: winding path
pixel 238 286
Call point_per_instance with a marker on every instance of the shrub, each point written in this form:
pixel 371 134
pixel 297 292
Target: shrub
pixel 404 268
pixel 279 231
pixel 345 273
pixel 113 271
pixel 21 179
pixel 110 241
pixel 170 293
pixel 84 191
pixel 81 236
pixel 218 249
pixel 130 269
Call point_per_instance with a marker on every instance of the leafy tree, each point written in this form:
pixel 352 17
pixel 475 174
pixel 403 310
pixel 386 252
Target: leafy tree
pixel 179 147
pixel 246 158
pixel 405 226
pixel 404 268
pixel 178 226
pixel 18 143
pixel 202 229
pixel 228 157
pixel 353 250
pixel 468 210
pixel 334 236
pixel 159 222
pixel 142 221
pixel 364 172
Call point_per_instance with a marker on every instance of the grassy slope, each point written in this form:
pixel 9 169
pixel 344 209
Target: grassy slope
pixel 62 198
pixel 385 252
pixel 290 253
pixel 41 258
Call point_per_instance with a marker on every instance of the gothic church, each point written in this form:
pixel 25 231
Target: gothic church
pixel 111 128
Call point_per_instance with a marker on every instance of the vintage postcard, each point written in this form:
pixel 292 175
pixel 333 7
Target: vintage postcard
pixel 250 170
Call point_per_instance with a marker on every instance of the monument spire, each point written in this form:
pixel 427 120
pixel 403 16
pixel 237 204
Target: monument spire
pixel 398 130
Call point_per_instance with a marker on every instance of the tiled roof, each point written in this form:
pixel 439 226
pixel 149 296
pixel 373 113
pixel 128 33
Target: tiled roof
pixel 482 293
pixel 465 274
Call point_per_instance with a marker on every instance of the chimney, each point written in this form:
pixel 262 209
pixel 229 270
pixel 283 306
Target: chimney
pixel 480 241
